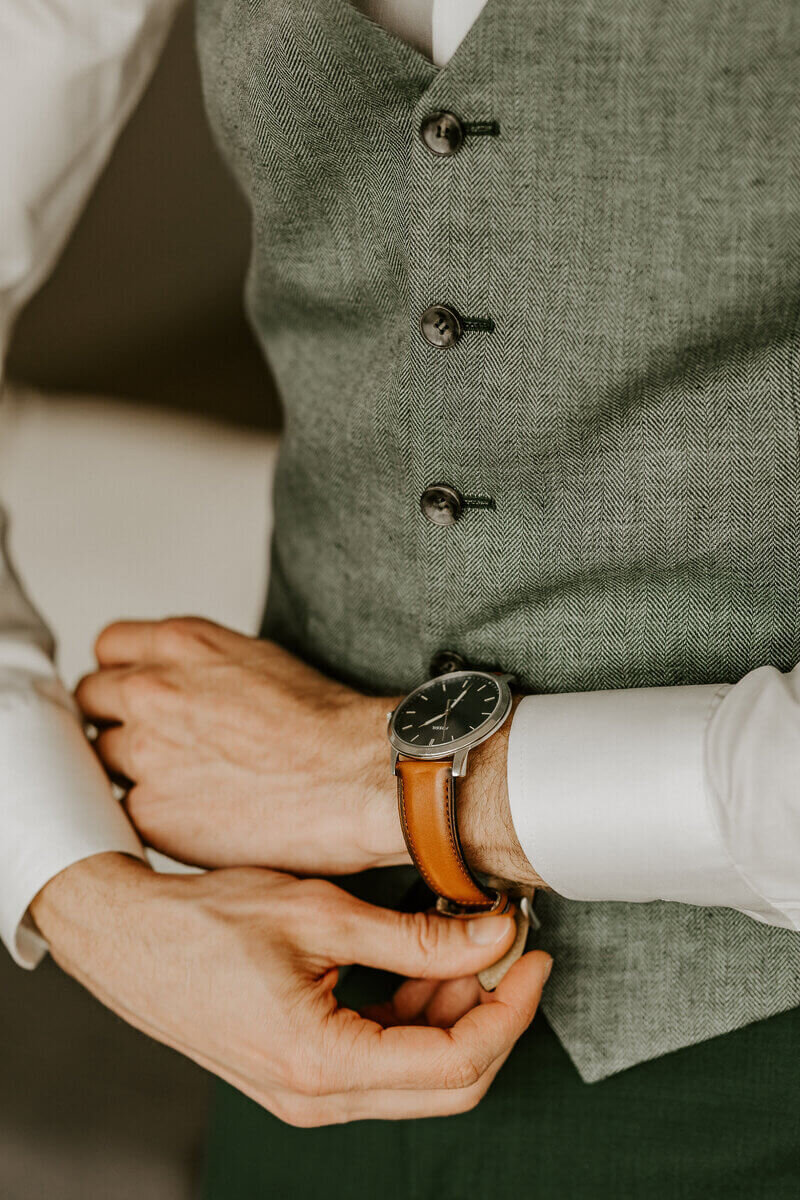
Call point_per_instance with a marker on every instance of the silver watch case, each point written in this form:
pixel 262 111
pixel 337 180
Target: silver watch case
pixel 459 748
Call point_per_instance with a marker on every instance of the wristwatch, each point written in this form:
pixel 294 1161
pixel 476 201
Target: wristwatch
pixel 431 733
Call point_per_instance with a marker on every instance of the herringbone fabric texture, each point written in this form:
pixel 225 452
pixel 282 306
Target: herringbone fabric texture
pixel 634 234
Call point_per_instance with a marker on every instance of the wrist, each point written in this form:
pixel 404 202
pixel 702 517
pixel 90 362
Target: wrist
pixel 89 895
pixel 485 827
pixel 486 830
pixel 376 824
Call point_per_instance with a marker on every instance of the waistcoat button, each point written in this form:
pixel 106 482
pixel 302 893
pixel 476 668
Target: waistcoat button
pixel 441 504
pixel 442 133
pixel 440 326
pixel 446 661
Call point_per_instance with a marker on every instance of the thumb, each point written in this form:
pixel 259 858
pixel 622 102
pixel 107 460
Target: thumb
pixel 419 945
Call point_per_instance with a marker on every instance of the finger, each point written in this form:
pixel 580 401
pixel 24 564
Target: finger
pixel 420 945
pixel 412 997
pixel 333 1108
pixel 420 1057
pixel 124 643
pixel 427 1001
pixel 341 1107
pixel 101 697
pixel 451 1000
pixel 393 1105
pixel 384 1105
pixel 406 1007
pixel 113 747
pixel 348 1104
pixel 175 639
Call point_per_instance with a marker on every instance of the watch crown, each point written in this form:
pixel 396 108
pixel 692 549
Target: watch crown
pixel 390 714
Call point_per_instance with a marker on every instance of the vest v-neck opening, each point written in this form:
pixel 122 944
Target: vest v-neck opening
pixel 408 57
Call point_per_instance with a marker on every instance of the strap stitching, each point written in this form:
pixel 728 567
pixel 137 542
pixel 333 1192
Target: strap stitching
pixel 454 843
pixel 450 809
pixel 420 866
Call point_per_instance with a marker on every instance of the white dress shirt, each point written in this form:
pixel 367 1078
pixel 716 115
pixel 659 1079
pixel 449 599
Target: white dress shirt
pixel 685 793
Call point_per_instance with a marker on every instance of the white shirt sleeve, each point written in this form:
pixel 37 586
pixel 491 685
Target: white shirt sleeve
pixel 56 805
pixel 678 793
pixel 71 72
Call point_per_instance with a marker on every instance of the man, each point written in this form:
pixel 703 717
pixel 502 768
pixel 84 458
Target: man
pixel 534 320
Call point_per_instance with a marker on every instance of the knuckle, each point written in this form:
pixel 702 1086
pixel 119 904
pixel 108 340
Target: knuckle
pixel 143 814
pixel 317 889
pixel 173 634
pixel 139 748
pixel 145 688
pixel 104 636
pixel 310 1088
pixel 177 637
pixel 136 808
pixel 315 897
pixel 124 748
pixel 462 1072
pixel 137 688
pixel 303 1079
pixel 425 931
pixel 297 1114
pixel 471 1098
pixel 284 1075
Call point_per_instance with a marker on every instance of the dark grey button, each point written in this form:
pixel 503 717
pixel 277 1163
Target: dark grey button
pixel 441 504
pixel 442 133
pixel 445 662
pixel 440 326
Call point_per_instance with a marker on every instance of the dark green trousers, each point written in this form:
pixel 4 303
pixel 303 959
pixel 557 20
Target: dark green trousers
pixel 721 1119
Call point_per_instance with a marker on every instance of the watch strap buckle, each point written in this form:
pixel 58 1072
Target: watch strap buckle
pixel 500 903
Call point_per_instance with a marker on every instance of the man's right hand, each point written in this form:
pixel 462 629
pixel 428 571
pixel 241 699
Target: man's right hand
pixel 236 969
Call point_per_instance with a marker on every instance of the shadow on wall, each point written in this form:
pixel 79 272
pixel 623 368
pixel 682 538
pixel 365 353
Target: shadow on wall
pixel 146 302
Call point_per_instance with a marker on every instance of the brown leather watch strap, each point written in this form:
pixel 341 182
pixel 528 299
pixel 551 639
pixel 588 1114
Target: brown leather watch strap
pixel 426 799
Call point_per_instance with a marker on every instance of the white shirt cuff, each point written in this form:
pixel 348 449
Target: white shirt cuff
pixel 56 805
pixel 608 797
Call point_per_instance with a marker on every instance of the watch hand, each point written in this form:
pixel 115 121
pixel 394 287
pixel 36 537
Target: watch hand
pixel 463 694
pixel 438 717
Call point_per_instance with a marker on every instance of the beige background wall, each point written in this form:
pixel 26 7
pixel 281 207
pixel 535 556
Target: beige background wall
pixel 146 301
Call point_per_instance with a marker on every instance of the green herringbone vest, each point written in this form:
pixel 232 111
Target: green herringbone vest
pixel 630 238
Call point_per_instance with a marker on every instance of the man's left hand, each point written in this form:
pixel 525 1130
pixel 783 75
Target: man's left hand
pixel 238 753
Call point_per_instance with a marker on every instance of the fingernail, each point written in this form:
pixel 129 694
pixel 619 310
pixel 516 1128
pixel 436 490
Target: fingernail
pixel 548 966
pixel 486 930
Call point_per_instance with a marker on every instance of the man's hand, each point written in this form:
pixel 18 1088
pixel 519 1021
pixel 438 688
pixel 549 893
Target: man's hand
pixel 236 969
pixel 241 754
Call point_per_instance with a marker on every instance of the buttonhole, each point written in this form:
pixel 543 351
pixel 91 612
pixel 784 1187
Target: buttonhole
pixel 478 324
pixel 479 502
pixel 482 128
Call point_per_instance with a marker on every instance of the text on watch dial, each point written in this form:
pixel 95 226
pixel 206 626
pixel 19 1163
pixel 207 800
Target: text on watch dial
pixel 446 709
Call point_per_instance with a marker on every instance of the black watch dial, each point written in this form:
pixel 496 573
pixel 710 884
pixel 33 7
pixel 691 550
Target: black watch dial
pixel 446 709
